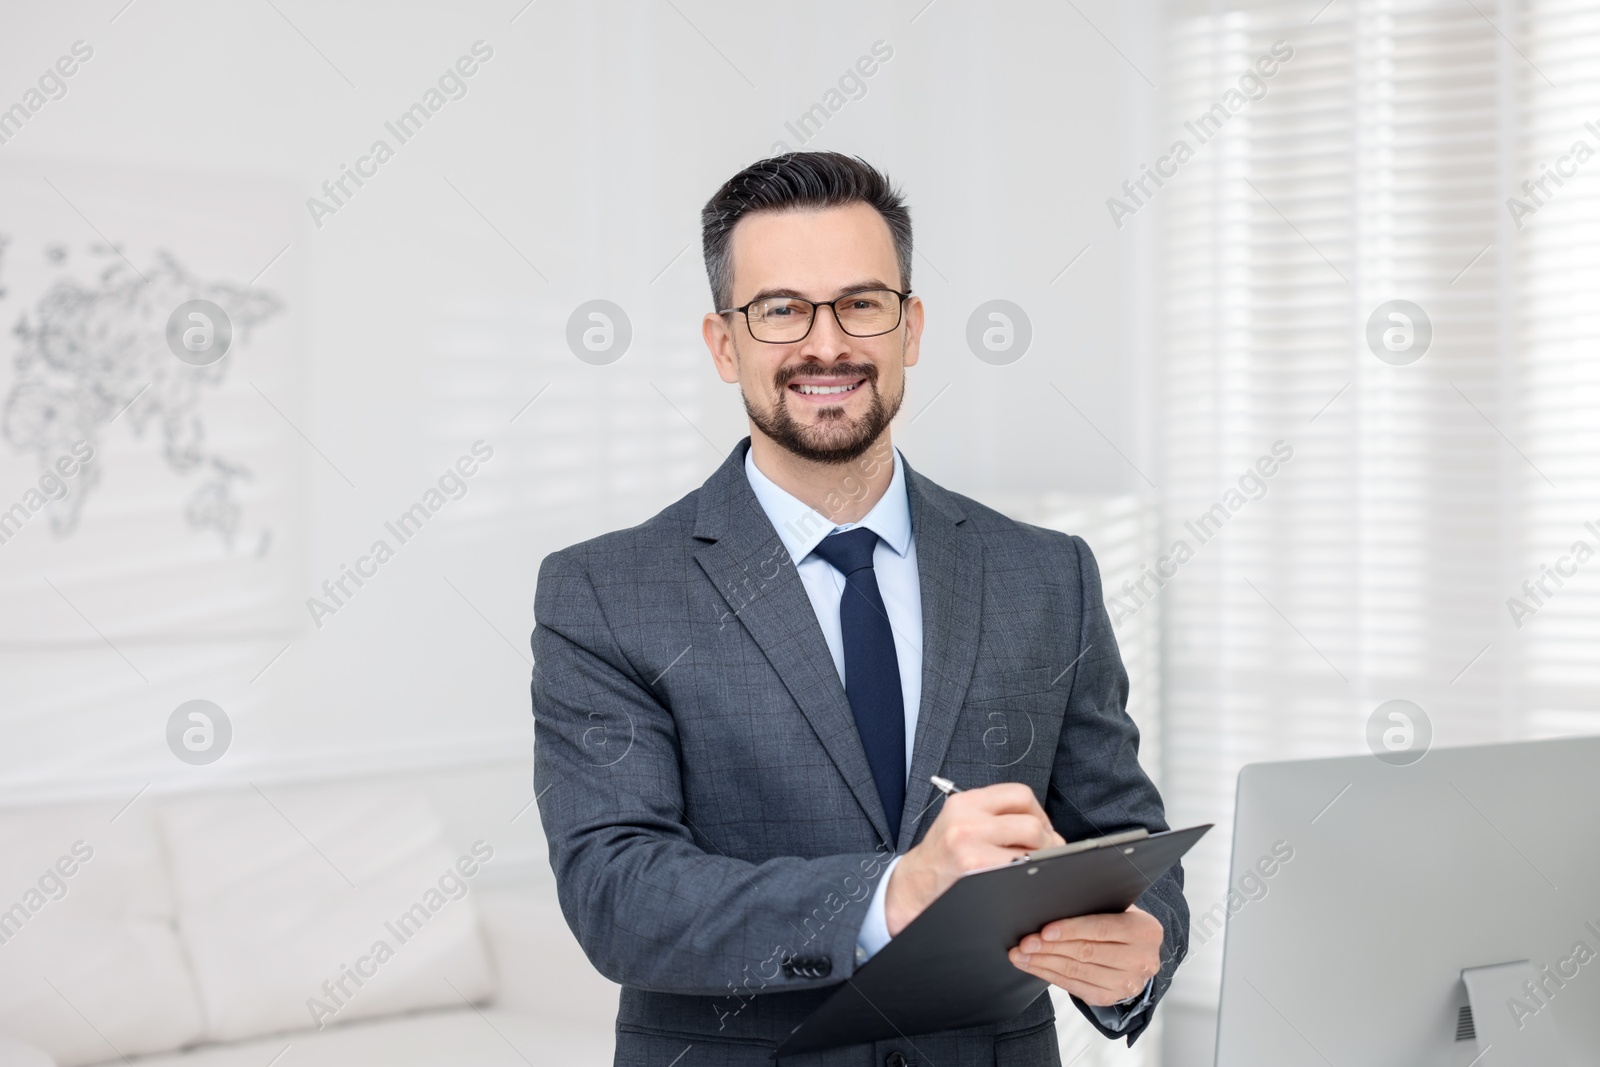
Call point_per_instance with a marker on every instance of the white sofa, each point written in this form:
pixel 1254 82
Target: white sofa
pixel 291 925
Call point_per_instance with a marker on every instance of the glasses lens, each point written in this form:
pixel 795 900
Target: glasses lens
pixel 872 312
pixel 780 318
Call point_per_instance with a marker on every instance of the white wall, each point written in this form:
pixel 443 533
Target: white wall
pixel 418 321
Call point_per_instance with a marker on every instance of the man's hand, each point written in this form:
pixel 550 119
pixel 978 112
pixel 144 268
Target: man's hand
pixel 1100 959
pixel 975 828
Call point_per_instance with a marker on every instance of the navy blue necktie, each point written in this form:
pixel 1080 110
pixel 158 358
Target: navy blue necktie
pixel 871 668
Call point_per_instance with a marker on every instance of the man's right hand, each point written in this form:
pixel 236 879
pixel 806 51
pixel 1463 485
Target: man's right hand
pixel 976 828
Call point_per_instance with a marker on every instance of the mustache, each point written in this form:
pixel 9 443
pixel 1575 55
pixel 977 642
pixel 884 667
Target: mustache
pixel 867 371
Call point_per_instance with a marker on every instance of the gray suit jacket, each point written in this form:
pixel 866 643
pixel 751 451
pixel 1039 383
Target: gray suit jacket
pixel 712 821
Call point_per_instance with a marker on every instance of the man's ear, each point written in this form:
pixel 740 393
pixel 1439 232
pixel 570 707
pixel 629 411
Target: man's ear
pixel 913 345
pixel 719 341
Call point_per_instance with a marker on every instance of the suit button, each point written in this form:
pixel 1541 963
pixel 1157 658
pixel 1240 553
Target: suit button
pixel 894 1059
pixel 808 967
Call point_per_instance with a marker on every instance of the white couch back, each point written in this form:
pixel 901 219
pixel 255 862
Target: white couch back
pixel 255 908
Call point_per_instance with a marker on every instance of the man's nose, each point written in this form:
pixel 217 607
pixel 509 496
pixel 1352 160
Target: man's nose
pixel 826 332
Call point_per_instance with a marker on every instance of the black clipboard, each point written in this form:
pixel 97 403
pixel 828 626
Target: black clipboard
pixel 949 967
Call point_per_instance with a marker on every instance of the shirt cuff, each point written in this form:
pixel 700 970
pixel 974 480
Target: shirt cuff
pixel 874 932
pixel 1116 1017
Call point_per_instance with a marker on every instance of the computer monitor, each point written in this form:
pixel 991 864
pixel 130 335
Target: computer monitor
pixel 1360 892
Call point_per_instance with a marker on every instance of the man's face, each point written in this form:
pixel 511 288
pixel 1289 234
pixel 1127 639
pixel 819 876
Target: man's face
pixel 820 255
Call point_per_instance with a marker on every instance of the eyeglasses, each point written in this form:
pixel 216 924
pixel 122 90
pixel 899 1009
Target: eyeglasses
pixel 782 320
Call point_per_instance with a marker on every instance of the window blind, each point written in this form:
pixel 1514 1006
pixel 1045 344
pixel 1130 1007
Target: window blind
pixel 1377 561
pixel 1558 326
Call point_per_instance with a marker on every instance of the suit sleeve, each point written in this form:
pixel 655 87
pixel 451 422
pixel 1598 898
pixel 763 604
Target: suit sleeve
pixel 1097 786
pixel 653 904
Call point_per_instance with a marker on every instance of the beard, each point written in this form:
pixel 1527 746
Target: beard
pixel 836 437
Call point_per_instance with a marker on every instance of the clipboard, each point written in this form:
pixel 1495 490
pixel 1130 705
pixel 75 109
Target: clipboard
pixel 949 967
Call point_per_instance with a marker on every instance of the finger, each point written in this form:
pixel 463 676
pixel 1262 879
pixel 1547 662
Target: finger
pixel 1001 798
pixel 1086 928
pixel 1091 982
pixel 1123 980
pixel 1127 928
pixel 1101 953
pixel 1016 831
pixel 1089 994
pixel 991 842
pixel 976 853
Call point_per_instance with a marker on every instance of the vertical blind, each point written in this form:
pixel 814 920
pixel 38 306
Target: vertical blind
pixel 1378 559
pixel 1557 359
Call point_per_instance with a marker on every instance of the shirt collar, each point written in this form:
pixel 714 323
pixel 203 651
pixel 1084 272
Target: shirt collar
pixel 802 528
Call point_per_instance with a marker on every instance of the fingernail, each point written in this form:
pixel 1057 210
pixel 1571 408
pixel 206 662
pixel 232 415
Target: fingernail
pixel 1023 957
pixel 1052 935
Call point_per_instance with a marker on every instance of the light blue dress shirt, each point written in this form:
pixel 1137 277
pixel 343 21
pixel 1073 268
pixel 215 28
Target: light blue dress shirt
pixel 894 561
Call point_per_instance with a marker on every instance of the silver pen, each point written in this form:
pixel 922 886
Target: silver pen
pixel 944 785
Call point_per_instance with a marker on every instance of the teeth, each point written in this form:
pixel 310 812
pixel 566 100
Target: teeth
pixel 825 389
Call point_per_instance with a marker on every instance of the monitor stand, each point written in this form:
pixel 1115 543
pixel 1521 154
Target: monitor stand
pixel 1515 1027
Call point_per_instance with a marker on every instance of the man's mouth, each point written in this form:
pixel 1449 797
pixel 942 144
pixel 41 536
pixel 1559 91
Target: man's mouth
pixel 825 390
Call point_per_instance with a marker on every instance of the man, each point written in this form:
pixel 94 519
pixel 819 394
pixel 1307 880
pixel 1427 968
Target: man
pixel 740 702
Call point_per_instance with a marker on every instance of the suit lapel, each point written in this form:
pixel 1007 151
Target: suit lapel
pixel 778 615
pixel 950 576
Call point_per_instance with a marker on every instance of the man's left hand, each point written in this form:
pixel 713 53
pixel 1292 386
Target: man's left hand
pixel 1100 959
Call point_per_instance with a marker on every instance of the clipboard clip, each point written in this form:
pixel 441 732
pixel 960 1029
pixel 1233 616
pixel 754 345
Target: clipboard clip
pixel 1083 846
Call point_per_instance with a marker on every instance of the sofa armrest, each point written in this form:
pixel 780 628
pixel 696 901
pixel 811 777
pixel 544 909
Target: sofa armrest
pixel 538 964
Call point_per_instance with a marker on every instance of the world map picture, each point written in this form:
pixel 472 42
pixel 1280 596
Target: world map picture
pixel 89 354
pixel 146 491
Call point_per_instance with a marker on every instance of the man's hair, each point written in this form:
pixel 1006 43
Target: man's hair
pixel 791 181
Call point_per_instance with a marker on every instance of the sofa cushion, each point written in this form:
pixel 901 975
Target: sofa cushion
pixel 464 1037
pixel 90 962
pixel 316 905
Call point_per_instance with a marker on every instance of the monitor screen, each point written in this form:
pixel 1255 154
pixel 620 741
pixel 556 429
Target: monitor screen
pixel 1400 877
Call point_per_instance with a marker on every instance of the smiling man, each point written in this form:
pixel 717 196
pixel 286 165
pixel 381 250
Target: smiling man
pixel 738 703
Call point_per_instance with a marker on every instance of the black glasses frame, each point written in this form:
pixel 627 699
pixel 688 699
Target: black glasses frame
pixel 815 304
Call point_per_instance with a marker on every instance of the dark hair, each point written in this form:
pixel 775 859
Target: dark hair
pixel 798 180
